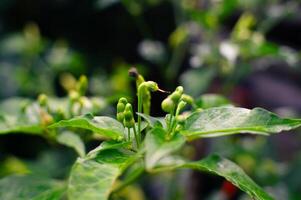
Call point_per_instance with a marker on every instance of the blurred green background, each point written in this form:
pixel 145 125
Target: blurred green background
pixel 247 50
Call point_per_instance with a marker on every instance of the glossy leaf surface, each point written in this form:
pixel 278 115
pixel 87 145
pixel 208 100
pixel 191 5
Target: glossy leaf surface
pixel 221 121
pixel 157 146
pixel 72 140
pixel 232 172
pixel 104 126
pixel 94 179
pixel 29 187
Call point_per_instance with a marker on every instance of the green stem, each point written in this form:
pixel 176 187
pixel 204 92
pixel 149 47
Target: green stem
pixel 134 176
pixel 173 123
pixel 129 134
pixel 70 108
pixel 139 109
pixel 136 137
pixel 170 121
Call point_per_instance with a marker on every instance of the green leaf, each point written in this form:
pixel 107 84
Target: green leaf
pixel 152 121
pixel 72 140
pixel 30 187
pixel 157 146
pixel 104 126
pixel 10 124
pixel 15 119
pixel 12 106
pixel 105 145
pixel 232 172
pixel 212 100
pixel 221 121
pixel 93 179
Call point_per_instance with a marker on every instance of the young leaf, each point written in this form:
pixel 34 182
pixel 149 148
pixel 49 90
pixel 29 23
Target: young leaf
pixel 232 172
pixel 231 120
pixel 105 126
pixel 157 146
pixel 93 179
pixel 72 140
pixel 30 187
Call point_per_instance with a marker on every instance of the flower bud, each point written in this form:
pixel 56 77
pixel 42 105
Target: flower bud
pixel 168 105
pixel 74 95
pixel 175 97
pixel 180 89
pixel 43 100
pixel 188 99
pixel 120 117
pixel 123 100
pixel 181 105
pixel 128 108
pixel 129 124
pixel 152 86
pixel 120 107
pixel 128 121
pixel 128 115
pixel 82 85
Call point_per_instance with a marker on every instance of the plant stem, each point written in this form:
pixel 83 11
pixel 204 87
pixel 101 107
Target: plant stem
pixel 139 110
pixel 173 123
pixel 129 134
pixel 136 137
pixel 170 121
pixel 134 176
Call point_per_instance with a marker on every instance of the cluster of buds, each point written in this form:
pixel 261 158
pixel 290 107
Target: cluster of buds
pixel 44 111
pixel 176 101
pixel 79 89
pixel 171 102
pixel 173 105
pixel 125 113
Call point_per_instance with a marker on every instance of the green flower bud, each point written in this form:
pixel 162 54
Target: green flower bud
pixel 74 95
pixel 148 85
pixel 168 105
pixel 188 99
pixel 181 105
pixel 128 116
pixel 152 86
pixel 128 121
pixel 43 100
pixel 120 117
pixel 175 97
pixel 82 85
pixel 123 100
pixel 180 89
pixel 120 107
pixel 129 124
pixel 128 112
pixel 128 108
pixel 177 94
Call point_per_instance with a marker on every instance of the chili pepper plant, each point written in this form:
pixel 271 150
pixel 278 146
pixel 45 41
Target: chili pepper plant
pixel 135 143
